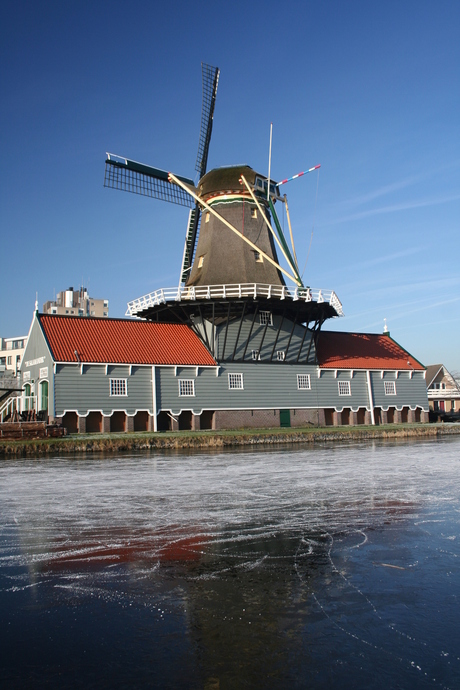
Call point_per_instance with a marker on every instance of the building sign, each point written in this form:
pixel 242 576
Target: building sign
pixel 32 362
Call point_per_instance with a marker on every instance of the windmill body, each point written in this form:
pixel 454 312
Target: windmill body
pixel 231 276
pixel 222 256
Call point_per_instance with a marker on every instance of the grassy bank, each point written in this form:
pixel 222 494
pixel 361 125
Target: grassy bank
pixel 114 443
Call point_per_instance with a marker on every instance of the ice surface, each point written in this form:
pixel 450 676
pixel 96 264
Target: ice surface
pixel 337 564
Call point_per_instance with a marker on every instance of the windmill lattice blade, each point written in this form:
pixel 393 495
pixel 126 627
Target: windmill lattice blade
pixel 193 228
pixel 210 82
pixel 129 176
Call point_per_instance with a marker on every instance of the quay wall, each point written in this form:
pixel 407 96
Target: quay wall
pixel 115 443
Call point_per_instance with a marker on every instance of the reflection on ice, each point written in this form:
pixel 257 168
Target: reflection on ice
pixel 290 568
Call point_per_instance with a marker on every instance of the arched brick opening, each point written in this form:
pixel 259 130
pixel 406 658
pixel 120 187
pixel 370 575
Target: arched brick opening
pixel 70 422
pixel 418 415
pixel 163 421
pixel 329 417
pixel 391 415
pixel 185 420
pixel 118 421
pixel 405 415
pixel 345 416
pixel 206 419
pixel 94 423
pixel 361 416
pixel 141 421
pixel 377 415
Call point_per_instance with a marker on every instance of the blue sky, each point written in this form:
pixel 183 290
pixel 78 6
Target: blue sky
pixel 368 90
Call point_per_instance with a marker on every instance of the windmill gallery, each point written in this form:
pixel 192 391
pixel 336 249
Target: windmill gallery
pixel 240 342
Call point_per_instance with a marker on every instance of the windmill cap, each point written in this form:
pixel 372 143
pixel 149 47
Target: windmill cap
pixel 226 180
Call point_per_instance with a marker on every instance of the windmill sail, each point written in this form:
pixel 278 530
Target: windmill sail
pixel 210 77
pixel 130 176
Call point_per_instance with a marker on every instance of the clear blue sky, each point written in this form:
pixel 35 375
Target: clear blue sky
pixel 369 90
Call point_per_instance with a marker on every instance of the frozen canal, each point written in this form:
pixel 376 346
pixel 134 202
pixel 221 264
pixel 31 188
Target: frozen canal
pixel 326 567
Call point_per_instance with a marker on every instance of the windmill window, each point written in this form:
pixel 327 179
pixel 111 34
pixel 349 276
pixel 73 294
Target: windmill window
pixel 118 388
pixel 255 354
pixel 390 388
pixel 258 257
pixel 303 382
pixel 206 218
pixel 265 317
pixel 344 388
pixel 186 387
pixel 200 261
pixel 235 381
pixel 253 213
pixel 280 355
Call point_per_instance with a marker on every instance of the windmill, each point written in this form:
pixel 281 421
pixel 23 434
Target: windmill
pixel 230 269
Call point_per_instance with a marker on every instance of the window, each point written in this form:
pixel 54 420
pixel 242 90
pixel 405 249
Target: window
pixel 280 355
pixel 265 317
pixel 200 261
pixel 206 218
pixel 235 381
pixel 390 388
pixel 186 387
pixel 344 388
pixel 9 360
pixel 255 354
pixel 253 213
pixel 303 382
pixel 258 257
pixel 118 387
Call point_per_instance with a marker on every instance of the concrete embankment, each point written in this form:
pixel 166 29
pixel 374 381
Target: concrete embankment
pixel 115 443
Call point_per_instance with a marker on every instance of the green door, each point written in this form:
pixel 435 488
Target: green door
pixel 285 417
pixel 44 395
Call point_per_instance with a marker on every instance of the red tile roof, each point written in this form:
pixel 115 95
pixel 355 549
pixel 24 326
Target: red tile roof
pixel 121 341
pixel 362 351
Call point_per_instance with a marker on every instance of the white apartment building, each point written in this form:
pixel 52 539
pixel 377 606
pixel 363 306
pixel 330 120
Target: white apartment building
pixel 11 352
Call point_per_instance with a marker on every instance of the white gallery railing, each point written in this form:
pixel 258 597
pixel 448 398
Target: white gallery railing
pixel 281 292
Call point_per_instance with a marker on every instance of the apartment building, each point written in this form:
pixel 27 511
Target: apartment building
pixel 77 303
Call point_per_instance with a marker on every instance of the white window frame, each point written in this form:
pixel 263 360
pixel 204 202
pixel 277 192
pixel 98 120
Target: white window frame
pixel 235 382
pixel 187 388
pixel 280 355
pixel 255 355
pixel 265 317
pixel 344 387
pixel 303 382
pixel 118 388
pixel 389 387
